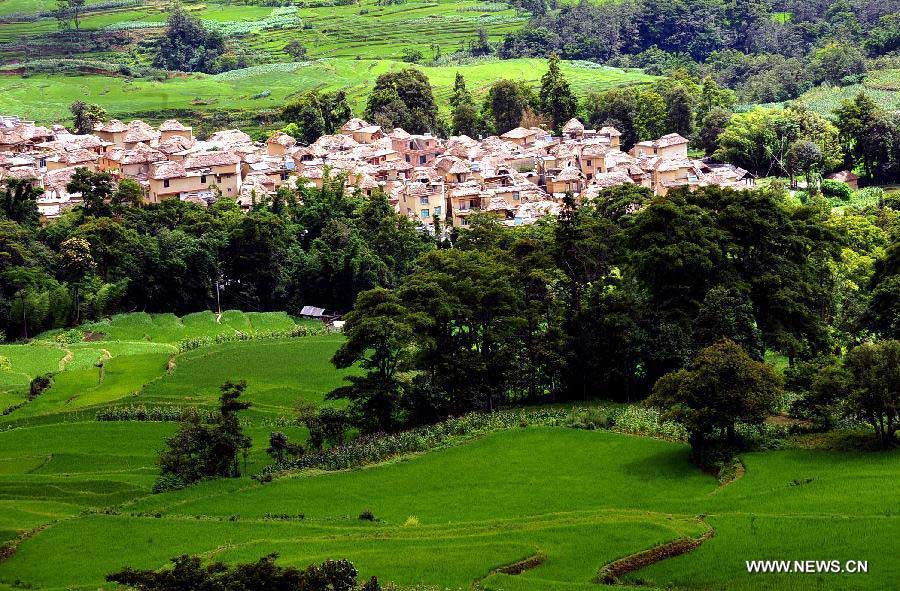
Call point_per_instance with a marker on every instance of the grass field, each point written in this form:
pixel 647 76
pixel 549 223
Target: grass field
pixel 579 499
pixel 205 94
pixel 348 47
pixel 882 86
pixel 567 501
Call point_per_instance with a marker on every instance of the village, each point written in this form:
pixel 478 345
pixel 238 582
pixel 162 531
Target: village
pixel 522 175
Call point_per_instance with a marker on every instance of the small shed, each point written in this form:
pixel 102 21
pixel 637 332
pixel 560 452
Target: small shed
pixel 846 176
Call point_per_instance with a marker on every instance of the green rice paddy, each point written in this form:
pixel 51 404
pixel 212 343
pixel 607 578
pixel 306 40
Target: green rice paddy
pixel 205 94
pixel 75 494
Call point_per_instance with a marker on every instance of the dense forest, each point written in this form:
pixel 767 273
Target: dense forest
pixel 767 51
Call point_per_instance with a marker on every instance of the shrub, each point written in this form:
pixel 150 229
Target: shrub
pixel 301 330
pixel 367 515
pixel 836 189
pixel 378 447
pixel 39 384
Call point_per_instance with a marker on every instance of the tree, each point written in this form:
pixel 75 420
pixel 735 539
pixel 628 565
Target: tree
pixel 378 337
pixel 727 313
pixel 128 192
pixel 723 386
pixel 557 100
pixel 18 201
pixel 853 119
pixel 188 45
pixel 463 112
pixel 711 127
pixel 403 99
pixel 822 385
pixel 680 110
pixel 76 263
pixel 650 120
pixel 306 113
pixel 199 451
pixel 316 114
pixel 69 11
pixel 280 448
pixel 85 116
pixel 618 108
pixel 505 104
pixel 296 50
pixel 804 157
pixel 884 305
pixel 875 390
pixel 188 573
pixel 837 63
pixel 96 190
pixel 481 46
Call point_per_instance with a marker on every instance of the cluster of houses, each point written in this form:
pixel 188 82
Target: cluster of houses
pixel 522 175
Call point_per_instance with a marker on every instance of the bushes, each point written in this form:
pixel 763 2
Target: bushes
pixel 153 414
pixel 189 572
pixel 837 190
pixel 301 330
pixel 634 420
pixel 377 448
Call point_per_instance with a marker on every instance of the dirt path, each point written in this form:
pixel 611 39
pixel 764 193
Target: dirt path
pixel 66 359
pixel 612 572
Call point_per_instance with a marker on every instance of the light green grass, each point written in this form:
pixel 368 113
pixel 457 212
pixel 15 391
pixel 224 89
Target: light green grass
pixel 579 498
pixel 235 90
pixel 279 373
pixel 882 86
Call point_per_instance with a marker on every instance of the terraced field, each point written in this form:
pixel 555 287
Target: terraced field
pixel 349 46
pixel 525 508
pixel 204 95
pixel 882 86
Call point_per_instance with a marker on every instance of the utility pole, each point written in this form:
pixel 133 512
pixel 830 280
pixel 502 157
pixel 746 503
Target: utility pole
pixel 218 302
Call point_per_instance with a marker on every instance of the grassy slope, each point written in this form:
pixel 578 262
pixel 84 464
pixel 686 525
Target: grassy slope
pixel 882 86
pixel 580 498
pixel 235 90
pixel 351 45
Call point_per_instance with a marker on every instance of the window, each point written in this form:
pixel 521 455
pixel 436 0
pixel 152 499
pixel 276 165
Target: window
pixel 203 179
pixel 283 175
pixel 437 211
pixel 465 221
pixel 516 196
pixel 423 200
pixel 426 213
pixel 407 157
pixel 423 159
pixel 589 163
pixel 412 146
pixel 165 183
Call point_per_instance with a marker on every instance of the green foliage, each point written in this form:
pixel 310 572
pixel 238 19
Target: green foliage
pixel 762 139
pixel 316 114
pixel 505 103
pixel 403 99
pixel 188 572
pixel 18 201
pixel 721 387
pixel 874 394
pixel 188 45
pixel 557 100
pixel 201 451
pixel 85 116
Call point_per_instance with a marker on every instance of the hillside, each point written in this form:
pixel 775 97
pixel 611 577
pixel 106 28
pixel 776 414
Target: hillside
pixel 560 502
pixel 268 87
